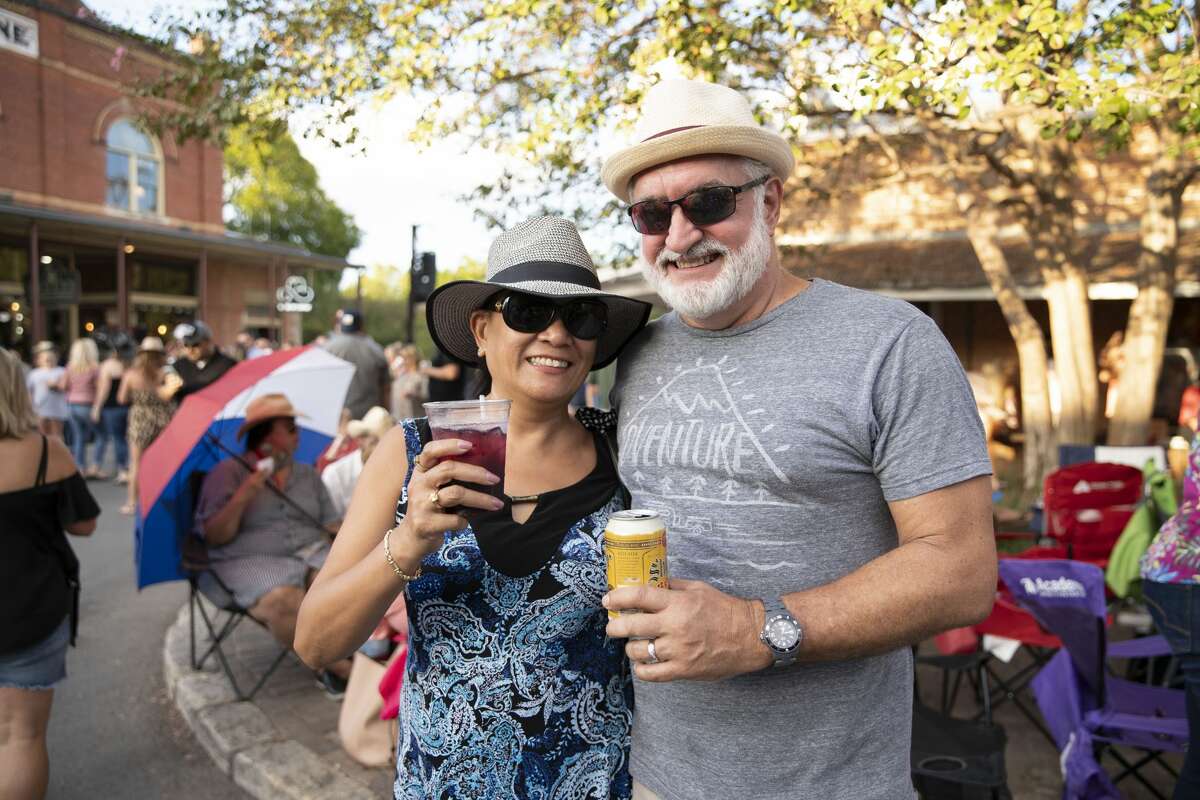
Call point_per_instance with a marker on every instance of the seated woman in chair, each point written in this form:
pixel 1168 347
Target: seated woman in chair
pixel 267 521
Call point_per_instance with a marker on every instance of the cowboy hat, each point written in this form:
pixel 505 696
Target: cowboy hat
pixel 151 344
pixel 543 256
pixel 265 407
pixel 694 118
pixel 45 347
pixel 376 422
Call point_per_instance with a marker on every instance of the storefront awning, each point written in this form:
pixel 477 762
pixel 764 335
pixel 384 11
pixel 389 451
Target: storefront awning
pixel 88 229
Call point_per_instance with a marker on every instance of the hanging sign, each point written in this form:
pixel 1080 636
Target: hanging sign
pixel 295 295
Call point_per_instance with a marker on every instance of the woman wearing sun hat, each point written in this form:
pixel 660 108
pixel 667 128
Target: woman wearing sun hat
pixel 506 627
pixel 149 409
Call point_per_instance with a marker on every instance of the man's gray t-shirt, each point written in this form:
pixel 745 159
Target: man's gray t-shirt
pixel 773 449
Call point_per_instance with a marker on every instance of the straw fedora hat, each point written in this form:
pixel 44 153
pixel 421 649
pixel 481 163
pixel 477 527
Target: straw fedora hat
pixel 694 118
pixel 543 256
pixel 152 344
pixel 376 422
pixel 265 407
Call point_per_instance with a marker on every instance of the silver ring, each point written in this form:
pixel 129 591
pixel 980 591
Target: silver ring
pixel 653 656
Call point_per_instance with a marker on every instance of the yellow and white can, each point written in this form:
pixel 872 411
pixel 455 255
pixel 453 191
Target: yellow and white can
pixel 635 550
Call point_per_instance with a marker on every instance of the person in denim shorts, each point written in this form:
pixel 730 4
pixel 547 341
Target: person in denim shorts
pixel 41 494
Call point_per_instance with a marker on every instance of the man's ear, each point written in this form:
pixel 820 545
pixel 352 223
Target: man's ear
pixel 772 202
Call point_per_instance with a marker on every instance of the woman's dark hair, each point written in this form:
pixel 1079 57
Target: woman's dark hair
pixel 483 380
pixel 260 431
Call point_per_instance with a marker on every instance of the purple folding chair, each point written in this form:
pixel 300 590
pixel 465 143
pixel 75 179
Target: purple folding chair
pixel 1088 710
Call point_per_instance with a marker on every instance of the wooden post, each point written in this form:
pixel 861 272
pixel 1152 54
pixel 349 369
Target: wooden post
pixel 272 286
pixel 202 284
pixel 34 300
pixel 122 288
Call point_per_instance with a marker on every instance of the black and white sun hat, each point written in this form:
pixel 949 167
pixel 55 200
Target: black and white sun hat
pixel 543 256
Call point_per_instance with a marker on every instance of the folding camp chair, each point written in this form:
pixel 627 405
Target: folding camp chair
pixel 1088 505
pixel 958 759
pixel 1079 699
pixel 204 584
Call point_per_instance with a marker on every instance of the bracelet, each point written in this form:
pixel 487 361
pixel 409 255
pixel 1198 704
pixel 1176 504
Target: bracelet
pixel 387 553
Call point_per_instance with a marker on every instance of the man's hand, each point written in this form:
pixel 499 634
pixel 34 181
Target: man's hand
pixel 699 633
pixel 172 383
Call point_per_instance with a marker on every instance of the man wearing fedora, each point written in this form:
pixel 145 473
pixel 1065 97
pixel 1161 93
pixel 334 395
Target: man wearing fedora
pixel 821 468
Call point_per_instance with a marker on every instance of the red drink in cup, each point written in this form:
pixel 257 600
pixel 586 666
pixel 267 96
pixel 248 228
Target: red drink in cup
pixel 483 423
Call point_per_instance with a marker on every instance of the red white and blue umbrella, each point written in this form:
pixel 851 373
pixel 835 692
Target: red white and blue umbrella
pixel 314 381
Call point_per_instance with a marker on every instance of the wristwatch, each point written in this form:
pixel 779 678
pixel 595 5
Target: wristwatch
pixel 781 632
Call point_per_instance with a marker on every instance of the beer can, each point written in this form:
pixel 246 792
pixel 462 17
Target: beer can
pixel 635 550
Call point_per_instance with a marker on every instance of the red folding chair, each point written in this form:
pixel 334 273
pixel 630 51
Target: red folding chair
pixel 1087 507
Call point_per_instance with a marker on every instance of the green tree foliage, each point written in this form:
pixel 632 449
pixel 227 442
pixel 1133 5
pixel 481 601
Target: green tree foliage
pixel 273 192
pixel 1003 89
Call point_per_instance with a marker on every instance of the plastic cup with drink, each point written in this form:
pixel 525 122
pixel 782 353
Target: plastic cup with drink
pixel 483 423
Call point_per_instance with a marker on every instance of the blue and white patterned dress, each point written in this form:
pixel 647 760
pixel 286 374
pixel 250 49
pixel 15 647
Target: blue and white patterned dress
pixel 511 688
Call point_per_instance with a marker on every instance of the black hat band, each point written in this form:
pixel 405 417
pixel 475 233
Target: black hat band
pixel 557 271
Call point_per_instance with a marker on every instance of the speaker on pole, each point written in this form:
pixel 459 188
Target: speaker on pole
pixel 424 277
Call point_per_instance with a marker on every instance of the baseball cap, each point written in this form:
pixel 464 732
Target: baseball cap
pixel 192 333
pixel 351 321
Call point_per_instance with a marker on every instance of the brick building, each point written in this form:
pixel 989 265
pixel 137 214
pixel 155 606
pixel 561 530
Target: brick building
pixel 102 223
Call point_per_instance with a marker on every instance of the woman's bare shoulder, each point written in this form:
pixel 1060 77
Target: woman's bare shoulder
pixel 59 464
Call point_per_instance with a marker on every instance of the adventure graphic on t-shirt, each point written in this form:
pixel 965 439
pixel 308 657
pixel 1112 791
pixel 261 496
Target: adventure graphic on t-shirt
pixel 704 419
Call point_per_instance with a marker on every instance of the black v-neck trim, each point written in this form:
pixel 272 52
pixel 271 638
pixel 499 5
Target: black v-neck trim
pixel 520 549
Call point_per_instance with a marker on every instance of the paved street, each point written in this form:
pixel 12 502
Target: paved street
pixel 113 731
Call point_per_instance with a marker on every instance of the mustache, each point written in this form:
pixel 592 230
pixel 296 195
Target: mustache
pixel 701 249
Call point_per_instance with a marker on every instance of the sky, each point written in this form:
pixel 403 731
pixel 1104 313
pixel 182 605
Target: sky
pixel 389 188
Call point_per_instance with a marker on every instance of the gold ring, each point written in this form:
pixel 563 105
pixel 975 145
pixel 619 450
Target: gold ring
pixel 417 463
pixel 433 498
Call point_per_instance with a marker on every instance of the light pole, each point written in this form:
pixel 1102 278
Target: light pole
pixel 412 285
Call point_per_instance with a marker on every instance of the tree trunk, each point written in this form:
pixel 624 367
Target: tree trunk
pixel 1150 313
pixel 1066 287
pixel 1039 456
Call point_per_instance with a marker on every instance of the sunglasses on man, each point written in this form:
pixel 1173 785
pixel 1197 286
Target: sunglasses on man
pixel 706 206
pixel 527 313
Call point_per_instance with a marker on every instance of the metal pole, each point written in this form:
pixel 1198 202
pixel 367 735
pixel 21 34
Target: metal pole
pixel 35 287
pixel 412 285
pixel 122 288
pixel 358 289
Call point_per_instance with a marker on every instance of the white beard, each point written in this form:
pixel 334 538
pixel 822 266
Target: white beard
pixel 742 268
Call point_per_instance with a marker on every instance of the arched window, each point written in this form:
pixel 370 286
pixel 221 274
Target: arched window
pixel 134 170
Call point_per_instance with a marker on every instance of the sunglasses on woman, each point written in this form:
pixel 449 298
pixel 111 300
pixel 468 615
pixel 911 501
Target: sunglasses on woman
pixel 706 206
pixel 526 313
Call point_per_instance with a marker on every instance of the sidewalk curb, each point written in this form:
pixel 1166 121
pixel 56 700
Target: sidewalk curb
pixel 240 738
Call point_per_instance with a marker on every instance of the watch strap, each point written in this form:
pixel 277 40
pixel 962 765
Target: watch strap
pixel 774 607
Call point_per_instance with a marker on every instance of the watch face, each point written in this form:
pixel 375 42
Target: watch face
pixel 783 634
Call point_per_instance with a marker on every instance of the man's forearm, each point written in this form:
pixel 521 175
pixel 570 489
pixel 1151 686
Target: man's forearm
pixel 915 591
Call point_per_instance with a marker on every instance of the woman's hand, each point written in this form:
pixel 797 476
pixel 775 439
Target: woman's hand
pixel 434 503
